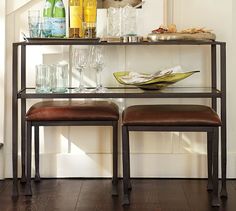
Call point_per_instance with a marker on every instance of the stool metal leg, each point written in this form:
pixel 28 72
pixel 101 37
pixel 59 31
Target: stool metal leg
pixel 209 160
pixel 23 150
pixel 15 121
pixel 215 148
pixel 28 160
pixel 223 109
pixel 125 147
pixel 115 158
pixel 36 146
pixel 223 193
pixel 129 180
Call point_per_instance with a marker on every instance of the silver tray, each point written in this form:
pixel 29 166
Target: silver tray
pixel 155 37
pixel 61 39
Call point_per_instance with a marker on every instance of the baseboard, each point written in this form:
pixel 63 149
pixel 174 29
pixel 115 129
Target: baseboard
pixel 119 178
pixel 142 166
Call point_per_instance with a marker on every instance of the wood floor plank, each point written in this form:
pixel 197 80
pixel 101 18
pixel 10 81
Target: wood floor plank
pixel 230 203
pixel 2 185
pixel 171 195
pixel 95 195
pixel 197 195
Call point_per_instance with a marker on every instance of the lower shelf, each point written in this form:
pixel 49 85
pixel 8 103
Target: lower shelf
pixel 127 92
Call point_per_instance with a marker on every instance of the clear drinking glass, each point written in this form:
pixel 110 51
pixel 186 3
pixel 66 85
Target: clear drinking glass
pixel 97 63
pixel 128 26
pixel 43 75
pixel 46 30
pixel 121 21
pixel 59 78
pixel 114 21
pixel 34 23
pixel 80 60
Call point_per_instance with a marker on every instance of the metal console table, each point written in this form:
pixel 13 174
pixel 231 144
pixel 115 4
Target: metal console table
pixel 22 93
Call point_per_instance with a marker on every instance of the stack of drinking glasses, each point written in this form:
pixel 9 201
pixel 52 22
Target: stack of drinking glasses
pixel 93 58
pixel 121 21
pixel 52 78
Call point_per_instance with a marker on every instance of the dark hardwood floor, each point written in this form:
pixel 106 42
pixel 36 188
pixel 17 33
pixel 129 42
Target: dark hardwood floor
pixel 94 195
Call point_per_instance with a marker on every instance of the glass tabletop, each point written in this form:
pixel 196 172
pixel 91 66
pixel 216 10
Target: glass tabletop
pixel 125 92
pixel 97 41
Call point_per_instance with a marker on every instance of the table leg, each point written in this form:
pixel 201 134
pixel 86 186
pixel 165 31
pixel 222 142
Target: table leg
pixel 213 75
pixel 223 119
pixel 23 144
pixel 15 121
pixel 23 112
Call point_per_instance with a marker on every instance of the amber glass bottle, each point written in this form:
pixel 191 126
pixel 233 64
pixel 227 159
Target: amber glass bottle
pixel 75 18
pixel 90 18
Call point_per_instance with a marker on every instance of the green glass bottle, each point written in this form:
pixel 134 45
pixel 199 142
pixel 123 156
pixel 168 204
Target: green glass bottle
pixel 59 19
pixel 47 18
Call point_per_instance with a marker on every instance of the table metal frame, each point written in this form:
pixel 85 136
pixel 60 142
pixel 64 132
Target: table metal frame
pixel 23 93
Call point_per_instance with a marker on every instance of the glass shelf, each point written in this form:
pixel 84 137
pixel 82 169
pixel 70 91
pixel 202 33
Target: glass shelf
pixel 128 92
pixel 66 41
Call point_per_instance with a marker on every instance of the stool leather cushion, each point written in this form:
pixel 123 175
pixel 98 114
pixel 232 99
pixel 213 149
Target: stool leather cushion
pixel 170 115
pixel 73 111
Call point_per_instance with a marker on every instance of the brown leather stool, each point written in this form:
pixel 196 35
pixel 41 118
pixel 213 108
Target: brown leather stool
pixel 66 113
pixel 180 118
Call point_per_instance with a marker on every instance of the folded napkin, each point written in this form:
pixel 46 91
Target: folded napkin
pixel 134 77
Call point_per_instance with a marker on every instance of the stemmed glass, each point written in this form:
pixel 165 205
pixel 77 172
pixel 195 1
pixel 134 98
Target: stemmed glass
pixel 80 60
pixel 97 63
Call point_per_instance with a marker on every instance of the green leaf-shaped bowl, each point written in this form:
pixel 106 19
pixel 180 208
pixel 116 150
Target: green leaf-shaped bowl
pixel 156 83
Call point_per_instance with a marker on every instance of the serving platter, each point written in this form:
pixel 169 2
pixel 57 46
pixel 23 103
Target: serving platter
pixel 159 82
pixel 155 37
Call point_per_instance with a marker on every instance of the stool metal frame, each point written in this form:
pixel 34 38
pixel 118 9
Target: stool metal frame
pixel 212 155
pixel 37 124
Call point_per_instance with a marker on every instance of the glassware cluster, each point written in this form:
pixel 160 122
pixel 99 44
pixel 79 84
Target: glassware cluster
pixel 82 23
pixel 82 20
pixel 93 58
pixel 55 78
pixel 52 78
pixel 51 23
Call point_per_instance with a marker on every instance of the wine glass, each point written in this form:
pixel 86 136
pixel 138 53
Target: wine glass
pixel 97 63
pixel 80 60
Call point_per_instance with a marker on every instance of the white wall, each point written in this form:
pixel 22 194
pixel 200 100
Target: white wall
pixel 2 66
pixel 16 4
pixel 231 87
pixel 78 152
pixel 219 16
pixel 2 83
